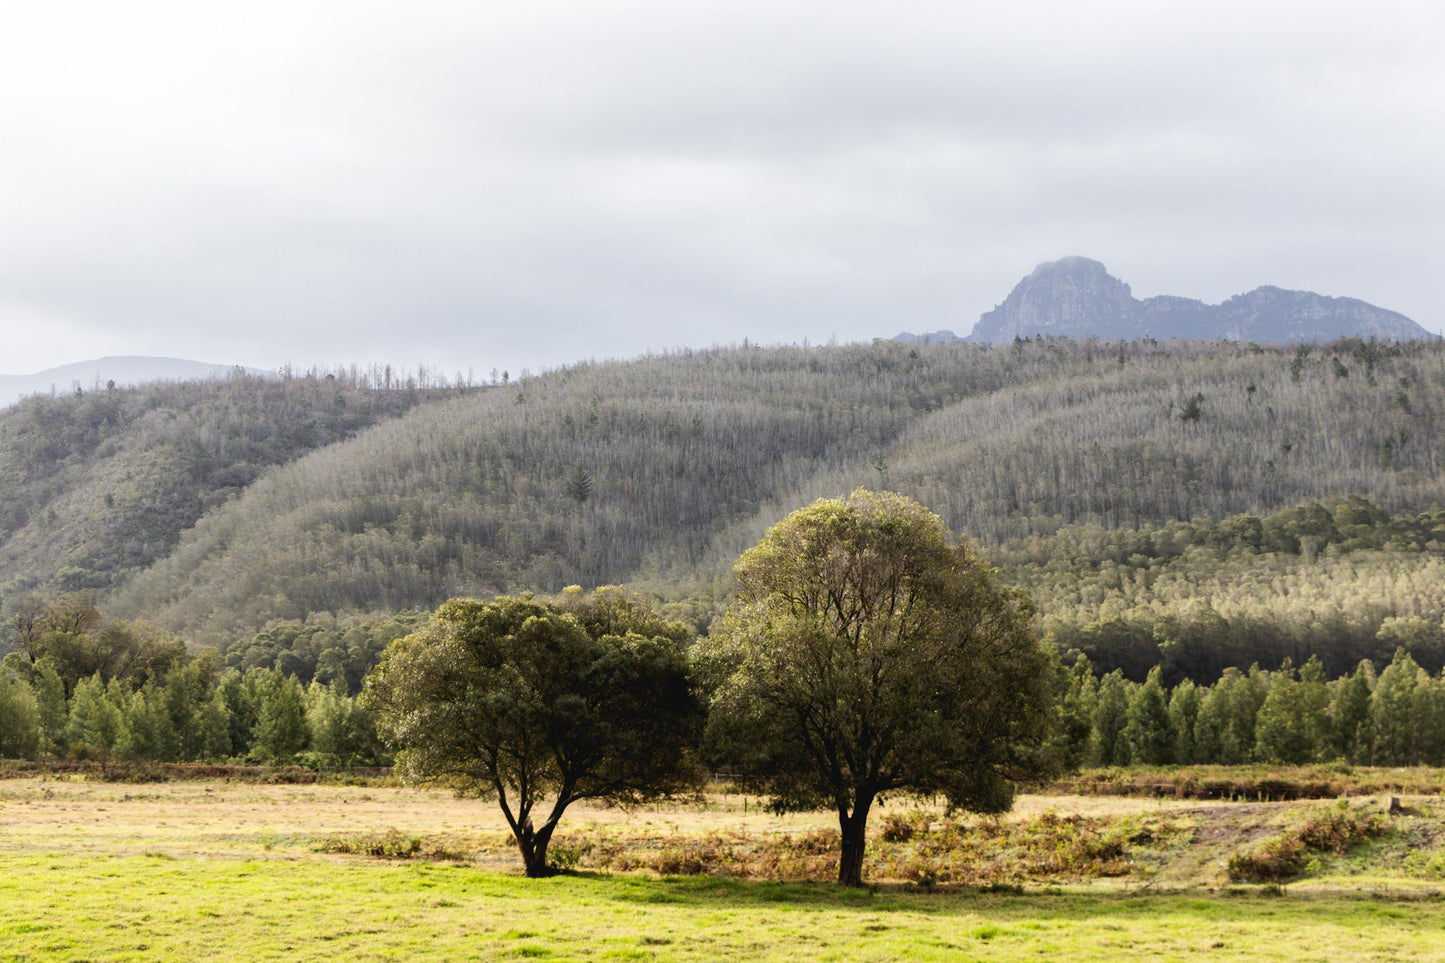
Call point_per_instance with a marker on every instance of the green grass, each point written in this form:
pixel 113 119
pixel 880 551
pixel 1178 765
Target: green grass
pixel 182 871
pixel 68 907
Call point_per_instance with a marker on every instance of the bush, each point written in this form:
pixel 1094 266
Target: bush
pixel 1280 858
pixel 392 844
pixel 1334 830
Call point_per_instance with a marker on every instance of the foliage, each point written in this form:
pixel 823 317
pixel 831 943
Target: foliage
pixel 150 700
pixel 1284 716
pixel 1342 580
pixel 517 698
pixel 866 656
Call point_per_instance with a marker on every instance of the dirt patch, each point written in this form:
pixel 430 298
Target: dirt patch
pixel 1244 823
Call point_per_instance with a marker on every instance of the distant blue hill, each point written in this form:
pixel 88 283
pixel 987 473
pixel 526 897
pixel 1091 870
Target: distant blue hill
pixel 1078 298
pixel 124 371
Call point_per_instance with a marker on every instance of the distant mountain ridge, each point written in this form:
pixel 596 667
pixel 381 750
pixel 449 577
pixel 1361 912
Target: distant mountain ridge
pixel 1078 298
pixel 125 371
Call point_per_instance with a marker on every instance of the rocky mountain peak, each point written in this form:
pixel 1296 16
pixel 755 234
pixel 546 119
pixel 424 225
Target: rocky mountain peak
pixel 1073 296
pixel 1077 297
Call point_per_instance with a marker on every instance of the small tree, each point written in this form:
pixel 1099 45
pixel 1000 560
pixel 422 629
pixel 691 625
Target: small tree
pixel 20 733
pixel 516 698
pixel 579 484
pixel 1107 743
pixel 95 721
pixel 1350 720
pixel 1183 711
pixel 1149 730
pixel 281 730
pixel 867 655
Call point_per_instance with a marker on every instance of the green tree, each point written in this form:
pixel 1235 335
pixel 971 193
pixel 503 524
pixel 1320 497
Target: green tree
pixel 1293 724
pixel 51 707
pixel 240 694
pixel 1351 724
pixel 516 698
pixel 1107 744
pixel 1076 712
pixel 19 718
pixel 213 729
pixel 1429 712
pixel 95 719
pixel 868 655
pixel 146 731
pixel 342 730
pixel 1148 731
pixel 1183 713
pixel 1392 711
pixel 281 730
pixel 1224 729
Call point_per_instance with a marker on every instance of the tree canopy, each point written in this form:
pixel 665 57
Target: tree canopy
pixel 516 697
pixel 868 655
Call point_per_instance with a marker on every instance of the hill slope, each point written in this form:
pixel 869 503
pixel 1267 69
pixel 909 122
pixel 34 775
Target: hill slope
pixel 589 475
pixel 662 469
pixel 100 484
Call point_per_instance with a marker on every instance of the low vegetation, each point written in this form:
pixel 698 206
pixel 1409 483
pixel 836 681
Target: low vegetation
pixel 1253 782
pixel 103 870
pixel 1336 830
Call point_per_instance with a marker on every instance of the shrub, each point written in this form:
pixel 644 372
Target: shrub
pixel 1335 830
pixel 391 844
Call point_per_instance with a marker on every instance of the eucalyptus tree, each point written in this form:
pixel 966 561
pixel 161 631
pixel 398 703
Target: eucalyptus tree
pixel 868 655
pixel 516 698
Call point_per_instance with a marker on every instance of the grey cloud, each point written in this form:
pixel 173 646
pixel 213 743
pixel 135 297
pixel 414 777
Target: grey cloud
pixel 527 184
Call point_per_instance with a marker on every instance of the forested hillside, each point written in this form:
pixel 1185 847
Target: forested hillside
pixel 97 485
pixel 1158 499
pixel 659 471
pixel 597 474
pixel 1171 432
pixel 1340 581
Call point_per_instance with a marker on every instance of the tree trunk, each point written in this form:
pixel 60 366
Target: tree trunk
pixel 854 829
pixel 534 849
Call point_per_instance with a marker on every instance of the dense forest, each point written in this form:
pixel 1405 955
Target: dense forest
pixel 1188 506
pixel 81 686
pixel 1389 717
pixel 1341 581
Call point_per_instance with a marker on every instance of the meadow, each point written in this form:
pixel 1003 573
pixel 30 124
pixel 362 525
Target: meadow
pixel 214 869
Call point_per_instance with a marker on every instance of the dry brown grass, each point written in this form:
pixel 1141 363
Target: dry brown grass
pixel 1053 839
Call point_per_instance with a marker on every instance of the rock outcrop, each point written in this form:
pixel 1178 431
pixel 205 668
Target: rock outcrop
pixel 1078 298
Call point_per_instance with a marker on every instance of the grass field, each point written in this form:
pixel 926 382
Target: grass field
pixel 234 871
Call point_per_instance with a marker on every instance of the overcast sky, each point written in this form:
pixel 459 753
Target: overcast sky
pixel 524 184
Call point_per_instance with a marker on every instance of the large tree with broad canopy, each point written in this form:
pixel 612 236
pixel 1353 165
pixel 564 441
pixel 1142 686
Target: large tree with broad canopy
pixel 535 702
pixel 867 654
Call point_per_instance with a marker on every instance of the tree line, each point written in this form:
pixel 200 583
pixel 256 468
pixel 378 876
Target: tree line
pixel 79 686
pixel 1394 716
pixel 139 697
